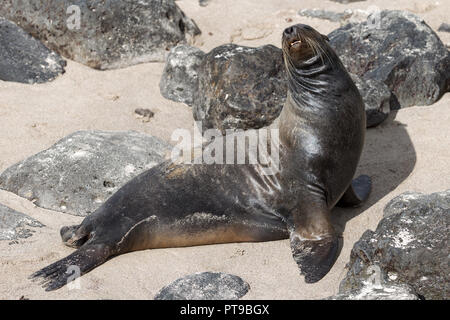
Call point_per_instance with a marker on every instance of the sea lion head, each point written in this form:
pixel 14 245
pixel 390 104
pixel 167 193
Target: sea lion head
pixel 304 46
pixel 314 70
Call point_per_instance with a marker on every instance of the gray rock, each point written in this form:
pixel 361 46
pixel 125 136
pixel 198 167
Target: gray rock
pixel 205 286
pixel 179 81
pixel 108 34
pixel 15 225
pixel 25 59
pixel 385 291
pixel 445 27
pixel 409 246
pixel 144 114
pixel 377 99
pixel 252 91
pixel 399 49
pixel 325 14
pixel 240 87
pixel 78 173
pixel 203 3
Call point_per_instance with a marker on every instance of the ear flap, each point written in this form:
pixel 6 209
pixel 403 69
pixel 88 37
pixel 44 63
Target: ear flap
pixel 325 37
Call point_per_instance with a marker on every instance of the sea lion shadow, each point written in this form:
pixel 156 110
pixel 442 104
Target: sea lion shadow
pixel 388 158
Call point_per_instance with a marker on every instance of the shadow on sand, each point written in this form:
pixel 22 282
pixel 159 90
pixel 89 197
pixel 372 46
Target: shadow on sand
pixel 388 158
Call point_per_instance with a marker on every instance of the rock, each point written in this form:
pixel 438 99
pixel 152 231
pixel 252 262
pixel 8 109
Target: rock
pixel 144 114
pixel 409 246
pixel 343 17
pixel 325 14
pixel 78 173
pixel 240 87
pixel 25 59
pixel 205 286
pixel 399 49
pixel 377 99
pixel 386 291
pixel 104 34
pixel 15 225
pixel 203 3
pixel 444 27
pixel 179 81
pixel 186 66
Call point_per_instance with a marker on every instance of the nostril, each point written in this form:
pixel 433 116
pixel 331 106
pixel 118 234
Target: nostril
pixel 289 30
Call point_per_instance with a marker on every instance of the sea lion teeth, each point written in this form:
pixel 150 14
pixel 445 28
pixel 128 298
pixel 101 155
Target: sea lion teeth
pixel 295 42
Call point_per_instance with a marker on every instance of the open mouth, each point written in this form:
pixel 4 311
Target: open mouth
pixel 295 43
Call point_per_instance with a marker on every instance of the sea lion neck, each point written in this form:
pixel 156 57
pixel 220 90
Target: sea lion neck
pixel 308 81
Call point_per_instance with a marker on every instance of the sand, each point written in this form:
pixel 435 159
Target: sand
pixel 408 152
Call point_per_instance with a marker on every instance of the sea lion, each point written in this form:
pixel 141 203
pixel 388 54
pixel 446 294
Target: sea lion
pixel 321 129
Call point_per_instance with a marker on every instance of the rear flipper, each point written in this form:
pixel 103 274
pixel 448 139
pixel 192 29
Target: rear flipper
pixel 83 260
pixel 314 257
pixel 357 192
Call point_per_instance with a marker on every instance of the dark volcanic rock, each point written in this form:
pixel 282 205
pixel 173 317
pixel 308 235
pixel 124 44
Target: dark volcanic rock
pixel 205 286
pixel 25 59
pixel 324 14
pixel 14 225
pixel 144 114
pixel 179 81
pixel 235 87
pixel 108 34
pixel 203 3
pixel 377 99
pixel 445 27
pixel 410 246
pixel 78 173
pixel 240 87
pixel 385 291
pixel 399 49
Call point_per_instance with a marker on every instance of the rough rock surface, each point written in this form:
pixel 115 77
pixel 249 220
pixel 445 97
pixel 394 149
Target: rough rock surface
pixel 377 99
pixel 409 246
pixel 445 27
pixel 14 225
pixel 240 87
pixel 385 291
pixel 203 3
pixel 104 34
pixel 215 84
pixel 205 286
pixel 325 14
pixel 399 49
pixel 78 173
pixel 179 81
pixel 25 59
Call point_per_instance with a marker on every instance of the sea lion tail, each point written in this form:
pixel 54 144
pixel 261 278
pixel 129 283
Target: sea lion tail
pixel 62 272
pixel 315 257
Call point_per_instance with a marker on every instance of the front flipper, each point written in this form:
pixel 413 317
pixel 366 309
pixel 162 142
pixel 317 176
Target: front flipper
pixel 357 192
pixel 61 272
pixel 314 243
pixel 314 257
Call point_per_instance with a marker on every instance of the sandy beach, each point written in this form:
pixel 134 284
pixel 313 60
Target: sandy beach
pixel 408 152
